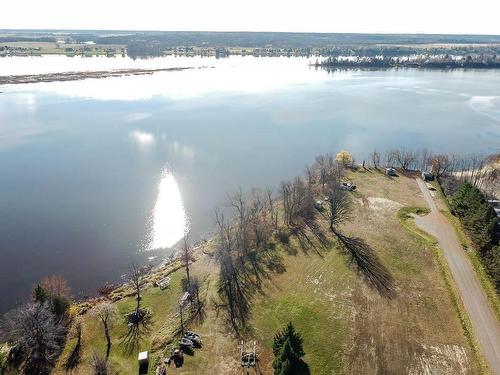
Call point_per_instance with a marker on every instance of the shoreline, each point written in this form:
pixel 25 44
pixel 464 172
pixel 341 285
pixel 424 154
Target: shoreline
pixel 431 67
pixel 82 75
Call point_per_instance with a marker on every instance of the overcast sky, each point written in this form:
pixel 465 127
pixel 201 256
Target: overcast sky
pixel 384 16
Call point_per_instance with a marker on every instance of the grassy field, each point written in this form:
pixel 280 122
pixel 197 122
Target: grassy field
pixel 347 326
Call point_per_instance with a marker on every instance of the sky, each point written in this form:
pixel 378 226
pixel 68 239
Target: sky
pixel 357 16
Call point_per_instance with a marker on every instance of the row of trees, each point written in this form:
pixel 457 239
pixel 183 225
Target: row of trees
pixel 242 251
pixel 445 61
pixel 481 223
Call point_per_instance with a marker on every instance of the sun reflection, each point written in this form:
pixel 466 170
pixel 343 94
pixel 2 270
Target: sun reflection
pixel 142 138
pixel 169 217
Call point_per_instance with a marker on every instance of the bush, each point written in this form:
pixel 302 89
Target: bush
pixel 284 236
pixel 60 305
pixel 106 289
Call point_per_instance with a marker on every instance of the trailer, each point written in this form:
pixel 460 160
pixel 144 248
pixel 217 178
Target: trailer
pixel 248 358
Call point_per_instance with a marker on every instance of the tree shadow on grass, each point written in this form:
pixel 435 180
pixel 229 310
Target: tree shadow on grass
pixel 368 264
pixel 303 368
pixel 138 327
pixel 74 358
pixel 243 281
pixel 310 237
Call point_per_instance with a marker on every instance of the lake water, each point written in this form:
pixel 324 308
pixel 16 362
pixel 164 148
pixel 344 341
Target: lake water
pixel 97 173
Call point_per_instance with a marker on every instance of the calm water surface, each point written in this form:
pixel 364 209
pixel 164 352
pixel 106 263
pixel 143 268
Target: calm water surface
pixel 97 173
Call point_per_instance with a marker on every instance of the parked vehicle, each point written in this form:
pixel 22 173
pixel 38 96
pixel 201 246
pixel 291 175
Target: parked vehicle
pixel 390 172
pixel 348 186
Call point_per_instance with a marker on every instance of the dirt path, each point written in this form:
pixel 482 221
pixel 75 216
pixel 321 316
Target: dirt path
pixel 486 326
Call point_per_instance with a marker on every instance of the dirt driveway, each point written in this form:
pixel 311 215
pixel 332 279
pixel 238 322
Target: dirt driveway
pixel 486 326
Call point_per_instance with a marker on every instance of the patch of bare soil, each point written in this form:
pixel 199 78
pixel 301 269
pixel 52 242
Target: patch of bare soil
pixel 441 359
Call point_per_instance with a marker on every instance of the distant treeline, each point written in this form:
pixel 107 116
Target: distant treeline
pixel 153 43
pixel 13 39
pixel 258 39
pixel 480 61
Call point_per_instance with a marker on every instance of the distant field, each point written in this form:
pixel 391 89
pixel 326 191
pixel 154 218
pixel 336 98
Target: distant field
pixel 61 48
pixel 348 328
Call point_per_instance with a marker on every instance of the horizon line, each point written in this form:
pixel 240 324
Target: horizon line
pixel 249 32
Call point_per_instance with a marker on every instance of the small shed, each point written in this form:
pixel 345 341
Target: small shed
pixel 143 362
pixel 143 357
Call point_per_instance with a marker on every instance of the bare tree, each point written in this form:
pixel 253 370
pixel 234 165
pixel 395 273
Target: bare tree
pixel 286 194
pixel 186 250
pixel 194 290
pixel 56 286
pixel 106 312
pixel 440 165
pixel 135 278
pixel 34 330
pixel 406 159
pixel 340 205
pixel 297 200
pixel 390 158
pixel 324 164
pixel 272 211
pixel 106 289
pixel 310 177
pixel 238 202
pixel 425 158
pixel 231 284
pixel 375 156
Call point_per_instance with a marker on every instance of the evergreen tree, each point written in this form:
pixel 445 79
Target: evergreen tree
pixel 288 351
pixel 481 223
pixel 40 294
pixel 295 340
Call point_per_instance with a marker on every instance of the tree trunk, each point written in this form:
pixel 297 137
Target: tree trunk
pixel 108 340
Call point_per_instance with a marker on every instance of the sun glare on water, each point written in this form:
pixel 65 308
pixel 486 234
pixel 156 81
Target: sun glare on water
pixel 169 217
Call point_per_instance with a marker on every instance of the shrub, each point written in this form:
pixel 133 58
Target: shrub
pixel 60 306
pixel 284 236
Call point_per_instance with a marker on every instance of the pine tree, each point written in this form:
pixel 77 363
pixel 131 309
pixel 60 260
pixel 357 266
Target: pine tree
pixel 288 350
pixel 295 340
pixel 40 294
pixel 481 223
